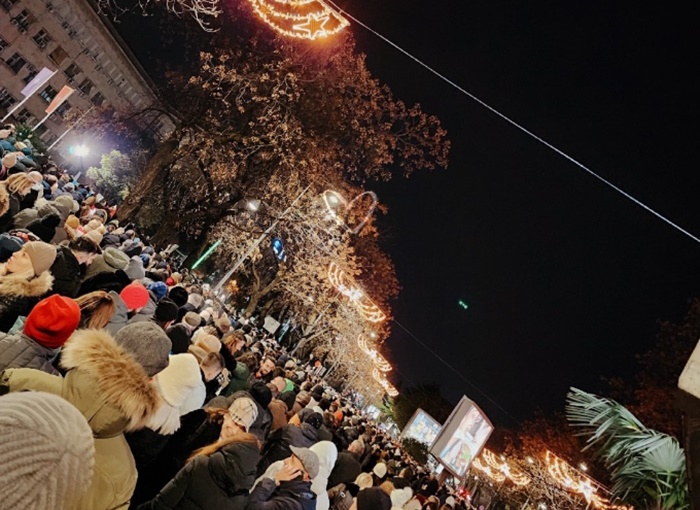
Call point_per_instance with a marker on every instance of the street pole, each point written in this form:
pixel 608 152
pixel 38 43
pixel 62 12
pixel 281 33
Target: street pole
pixel 257 242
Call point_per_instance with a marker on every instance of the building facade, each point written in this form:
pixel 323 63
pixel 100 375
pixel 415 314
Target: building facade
pixel 68 36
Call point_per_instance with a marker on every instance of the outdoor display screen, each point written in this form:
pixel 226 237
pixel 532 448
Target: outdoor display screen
pixel 462 437
pixel 421 427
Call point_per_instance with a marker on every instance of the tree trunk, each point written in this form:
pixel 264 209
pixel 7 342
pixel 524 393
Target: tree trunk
pixel 150 180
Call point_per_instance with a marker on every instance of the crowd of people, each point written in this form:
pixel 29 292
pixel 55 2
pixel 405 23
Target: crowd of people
pixel 126 384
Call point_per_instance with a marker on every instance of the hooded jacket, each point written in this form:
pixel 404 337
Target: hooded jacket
pixel 148 311
pixel 109 261
pixel 19 295
pixel 120 317
pixel 277 445
pixel 20 351
pixel 292 495
pixel 239 380
pixel 66 272
pixel 221 480
pixel 111 389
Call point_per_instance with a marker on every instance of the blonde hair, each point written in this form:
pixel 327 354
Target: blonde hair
pixel 96 309
pixel 364 481
pixel 387 487
pixel 241 437
pixel 17 182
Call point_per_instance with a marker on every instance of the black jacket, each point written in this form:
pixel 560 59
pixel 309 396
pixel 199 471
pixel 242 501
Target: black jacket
pixel 66 272
pixel 292 495
pixel 180 337
pixel 346 469
pixel 221 480
pixel 277 446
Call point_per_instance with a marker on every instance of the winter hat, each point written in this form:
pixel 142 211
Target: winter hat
pixel 243 412
pixel 134 295
pixel 261 393
pixel 314 419
pixel 209 343
pixel 166 310
pixel 159 289
pixel 364 480
pixel 379 470
pixel 147 343
pixel 192 319
pixel 288 398
pixel 93 225
pixel 9 160
pixel 20 145
pixel 48 452
pixel 308 459
pixel 72 221
pixel 449 501
pixel 179 295
pixel 33 175
pixel 178 379
pixel 41 254
pixel 373 498
pixel 94 236
pixel 52 321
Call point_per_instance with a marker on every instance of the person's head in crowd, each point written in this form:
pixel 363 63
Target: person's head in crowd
pixel 147 343
pixel 211 365
pixel 223 324
pixel 178 295
pixel 234 342
pixel 33 259
pixel 317 393
pixel 192 320
pixel 303 398
pixel 250 360
pixel 166 312
pixel 52 321
pixel 135 296
pixel 379 470
pixel 84 249
pixel 304 461
pixel 175 384
pixel 19 184
pixel 208 343
pixel 47 454
pixel 357 447
pixel 279 385
pixel 241 415
pixel 261 393
pixel 96 309
pixel 159 290
pixel 266 367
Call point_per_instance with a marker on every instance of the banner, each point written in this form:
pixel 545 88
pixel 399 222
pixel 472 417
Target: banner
pixel 65 92
pixel 42 77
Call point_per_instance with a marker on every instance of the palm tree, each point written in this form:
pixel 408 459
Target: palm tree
pixel 647 467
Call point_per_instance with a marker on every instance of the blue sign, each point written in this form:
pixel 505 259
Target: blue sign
pixel 278 249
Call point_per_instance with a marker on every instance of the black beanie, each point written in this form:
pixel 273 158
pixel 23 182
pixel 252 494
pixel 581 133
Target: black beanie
pixel 373 498
pixel 261 394
pixel 166 310
pixel 178 295
pixel 288 397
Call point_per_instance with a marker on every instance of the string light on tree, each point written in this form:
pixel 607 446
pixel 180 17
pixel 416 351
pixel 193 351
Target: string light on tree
pixel 388 387
pixel 379 361
pixel 499 470
pixel 344 284
pixel 303 19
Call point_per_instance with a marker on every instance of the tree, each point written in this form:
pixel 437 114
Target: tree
pixel 424 396
pixel 116 175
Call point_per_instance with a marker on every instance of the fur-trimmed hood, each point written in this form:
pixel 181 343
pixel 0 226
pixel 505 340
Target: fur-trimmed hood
pixel 106 383
pixel 11 285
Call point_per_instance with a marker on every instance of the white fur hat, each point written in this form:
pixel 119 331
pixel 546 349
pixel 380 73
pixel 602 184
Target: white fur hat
pixel 176 381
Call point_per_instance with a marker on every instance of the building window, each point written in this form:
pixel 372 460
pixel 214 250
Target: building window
pixel 42 39
pixel 24 116
pixel 98 99
pixel 58 55
pixel 86 86
pixel 40 130
pixel 72 71
pixel 7 4
pixel 50 139
pixel 6 99
pixel 63 109
pixel 3 44
pixel 16 62
pixel 30 75
pixel 48 93
pixel 23 20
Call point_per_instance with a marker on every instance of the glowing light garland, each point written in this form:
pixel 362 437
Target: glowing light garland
pixel 388 387
pixel 335 200
pixel 303 19
pixel 572 479
pixel 344 284
pixel 498 470
pixel 379 361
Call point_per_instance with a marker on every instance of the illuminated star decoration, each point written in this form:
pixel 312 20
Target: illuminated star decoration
pixel 303 19
pixel 344 284
pixel 380 361
pixel 575 481
pixel 499 470
pixel 388 387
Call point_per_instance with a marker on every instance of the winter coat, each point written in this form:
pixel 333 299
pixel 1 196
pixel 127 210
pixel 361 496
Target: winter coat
pixel 110 240
pixel 146 313
pixel 25 217
pixel 221 480
pixel 12 207
pixel 106 281
pixel 45 227
pixel 20 351
pixel 347 468
pixel 113 392
pixel 292 495
pixel 120 317
pixel 109 261
pixel 327 454
pixel 66 272
pixel 277 445
pixel 239 380
pixel 19 295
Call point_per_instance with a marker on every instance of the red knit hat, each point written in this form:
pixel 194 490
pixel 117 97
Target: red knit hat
pixel 52 321
pixel 134 295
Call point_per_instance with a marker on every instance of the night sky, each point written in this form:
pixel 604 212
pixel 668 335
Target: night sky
pixel 565 278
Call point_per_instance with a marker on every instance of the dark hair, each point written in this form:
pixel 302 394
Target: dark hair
pixel 261 393
pixel 250 360
pixel 84 244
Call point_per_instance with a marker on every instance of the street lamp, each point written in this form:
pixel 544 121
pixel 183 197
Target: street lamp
pixel 81 150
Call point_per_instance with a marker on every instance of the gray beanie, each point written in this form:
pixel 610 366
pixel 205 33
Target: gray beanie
pixel 47 453
pixel 147 343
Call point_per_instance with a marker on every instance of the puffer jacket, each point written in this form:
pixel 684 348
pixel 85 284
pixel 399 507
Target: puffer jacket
pixel 20 351
pixel 239 380
pixel 292 495
pixel 221 480
pixel 114 393
pixel 66 272
pixel 120 317
pixel 277 445
pixel 109 261
pixel 19 295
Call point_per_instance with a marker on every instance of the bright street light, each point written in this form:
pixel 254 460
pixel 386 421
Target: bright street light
pixel 81 150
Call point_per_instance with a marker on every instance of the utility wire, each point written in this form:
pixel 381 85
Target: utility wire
pixel 519 126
